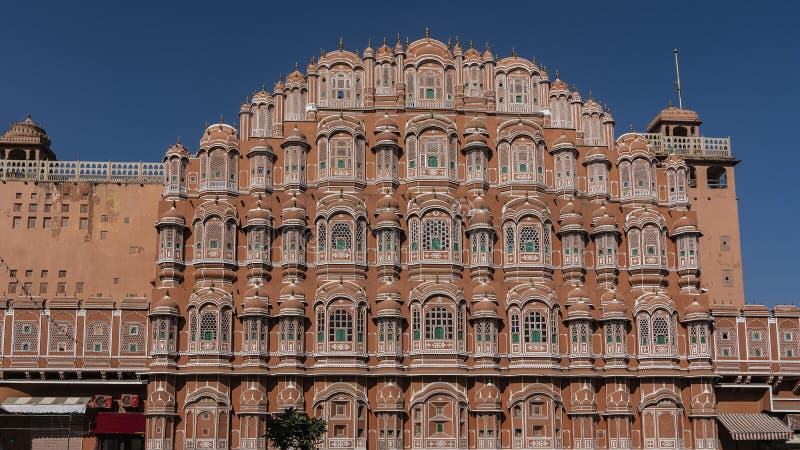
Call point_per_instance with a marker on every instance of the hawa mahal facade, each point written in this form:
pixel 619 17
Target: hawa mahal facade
pixel 427 245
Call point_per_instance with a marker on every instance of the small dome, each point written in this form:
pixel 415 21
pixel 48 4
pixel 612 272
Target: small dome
pixel 261 96
pixel 386 136
pixel 296 76
pixel 615 307
pixel 685 221
pixel 562 142
pixel 176 149
pixel 296 135
pixel 599 212
pixel 559 85
pixel 606 221
pixel 476 123
pixel 483 290
pixel 279 86
pixel 388 216
pixel 569 209
pixel 388 307
pixel 483 308
pixel 387 201
pixel 579 310
pixel 166 305
pixel 254 302
pixel 386 122
pixel 596 154
pixel 639 144
pixel 294 214
pixel 291 291
pixel 488 398
pixel 476 139
pixel 389 289
pixel 611 295
pixel 257 214
pixel 172 214
pixel 479 218
pixel 695 311
pixel 578 293
pixel 292 306
pixel 623 149
pixel 219 134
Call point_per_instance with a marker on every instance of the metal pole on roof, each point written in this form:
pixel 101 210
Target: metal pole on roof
pixel 678 79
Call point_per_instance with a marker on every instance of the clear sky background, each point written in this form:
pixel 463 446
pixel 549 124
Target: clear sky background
pixel 113 81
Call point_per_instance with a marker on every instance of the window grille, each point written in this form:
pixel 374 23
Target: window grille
pixel 435 235
pixel 535 327
pixel 341 236
pixel 133 337
pixel 340 327
pixel 509 235
pixel 62 336
pixel 644 333
pixel 438 323
pixel 26 336
pixel 529 241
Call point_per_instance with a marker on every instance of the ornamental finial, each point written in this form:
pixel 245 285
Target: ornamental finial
pixel 513 52
pixel 341 43
pixel 427 33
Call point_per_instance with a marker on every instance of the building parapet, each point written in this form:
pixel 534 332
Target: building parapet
pixel 82 171
pixel 690 146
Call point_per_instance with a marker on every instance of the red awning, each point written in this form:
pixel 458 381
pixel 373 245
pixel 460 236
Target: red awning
pixel 118 423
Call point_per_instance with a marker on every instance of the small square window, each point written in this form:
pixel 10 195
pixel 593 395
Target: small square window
pixel 34 195
pixel 47 222
pixel 84 224
pixel 28 273
pixel 17 207
pixel 64 222
pixel 33 207
pixel 31 222
pixel 103 235
pixel 16 222
pixel 62 274
pixel 65 208
pixel 84 209
pixel 79 287
pixel 18 195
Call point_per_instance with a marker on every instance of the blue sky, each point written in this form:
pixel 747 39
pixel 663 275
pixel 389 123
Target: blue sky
pixel 114 81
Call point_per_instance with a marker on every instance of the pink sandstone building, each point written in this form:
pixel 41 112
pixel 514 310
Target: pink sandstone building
pixel 429 246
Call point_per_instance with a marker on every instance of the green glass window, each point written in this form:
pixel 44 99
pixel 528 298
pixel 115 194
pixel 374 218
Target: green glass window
pixel 523 168
pixel 433 161
pixel 340 164
pixel 429 93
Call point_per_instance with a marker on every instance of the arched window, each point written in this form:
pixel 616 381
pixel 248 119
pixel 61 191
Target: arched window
pixel 340 326
pixel 660 331
pixel 296 105
pixel 535 327
pixel 561 114
pixel 435 235
pixel 529 240
pixel 625 178
pixel 438 323
pixel 518 95
pixel 434 154
pixel 341 85
pixel 643 183
pixel 598 178
pixel 565 163
pixel 474 84
pixel 429 85
pixel 592 130
pixel 341 236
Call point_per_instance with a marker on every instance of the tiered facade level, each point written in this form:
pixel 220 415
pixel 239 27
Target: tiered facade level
pixel 429 247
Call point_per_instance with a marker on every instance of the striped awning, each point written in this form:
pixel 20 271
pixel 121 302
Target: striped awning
pixel 45 405
pixel 755 427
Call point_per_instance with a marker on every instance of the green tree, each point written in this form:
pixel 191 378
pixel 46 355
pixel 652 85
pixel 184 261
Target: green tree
pixel 293 430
